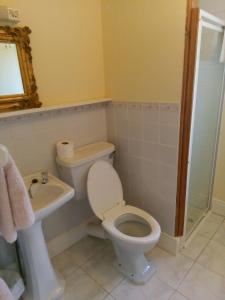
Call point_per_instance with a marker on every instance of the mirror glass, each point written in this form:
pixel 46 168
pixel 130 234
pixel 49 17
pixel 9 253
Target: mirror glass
pixel 11 82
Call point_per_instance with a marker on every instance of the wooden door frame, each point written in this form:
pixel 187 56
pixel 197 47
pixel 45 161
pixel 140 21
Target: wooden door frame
pixel 191 37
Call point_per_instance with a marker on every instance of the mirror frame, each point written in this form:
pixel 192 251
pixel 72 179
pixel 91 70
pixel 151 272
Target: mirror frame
pixel 29 99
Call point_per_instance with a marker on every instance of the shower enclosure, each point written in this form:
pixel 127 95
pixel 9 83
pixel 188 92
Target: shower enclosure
pixel 206 118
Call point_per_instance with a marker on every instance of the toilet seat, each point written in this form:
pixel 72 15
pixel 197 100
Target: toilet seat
pixel 104 188
pixel 109 224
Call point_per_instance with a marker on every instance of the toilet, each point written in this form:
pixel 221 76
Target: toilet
pixel 133 231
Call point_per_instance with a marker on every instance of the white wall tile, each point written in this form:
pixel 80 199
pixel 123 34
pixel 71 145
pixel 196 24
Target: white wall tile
pixel 121 111
pixel 151 151
pixel 135 112
pixel 136 148
pixel 167 173
pixel 135 130
pixel 151 132
pixel 168 155
pixel 169 135
pixel 169 114
pixel 150 170
pixel 150 113
pixel 122 128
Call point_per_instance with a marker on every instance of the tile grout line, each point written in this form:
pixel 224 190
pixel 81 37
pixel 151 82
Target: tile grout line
pixel 90 276
pixel 100 285
pixel 176 291
pixel 97 283
pixel 185 276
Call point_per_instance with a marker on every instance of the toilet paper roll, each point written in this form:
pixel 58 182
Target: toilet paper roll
pixel 65 148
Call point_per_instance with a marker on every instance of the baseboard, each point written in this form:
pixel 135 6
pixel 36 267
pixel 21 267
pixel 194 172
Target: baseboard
pixel 169 243
pixel 218 207
pixel 67 239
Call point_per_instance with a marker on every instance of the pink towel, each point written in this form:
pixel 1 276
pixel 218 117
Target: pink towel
pixel 5 293
pixel 15 208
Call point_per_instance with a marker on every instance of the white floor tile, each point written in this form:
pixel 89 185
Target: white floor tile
pixel 81 251
pixel 219 237
pixel 210 225
pixel 80 286
pixel 202 281
pixel 195 246
pixel 170 269
pixel 152 290
pixel 213 258
pixel 64 264
pixel 109 297
pixel 201 284
pixel 178 296
pixel 102 268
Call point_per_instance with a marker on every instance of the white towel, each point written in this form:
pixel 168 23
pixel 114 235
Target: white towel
pixel 5 293
pixel 15 208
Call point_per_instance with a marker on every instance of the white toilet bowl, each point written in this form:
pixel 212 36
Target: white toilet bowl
pixel 132 231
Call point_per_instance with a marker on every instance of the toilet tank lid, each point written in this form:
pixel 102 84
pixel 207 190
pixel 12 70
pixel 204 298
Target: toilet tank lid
pixel 85 154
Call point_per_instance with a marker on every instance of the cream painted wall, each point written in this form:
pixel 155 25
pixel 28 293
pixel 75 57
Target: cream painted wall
pixel 143 43
pixel 144 49
pixel 217 7
pixel 67 48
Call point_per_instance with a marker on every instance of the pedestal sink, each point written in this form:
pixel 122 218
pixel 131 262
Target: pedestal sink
pixel 42 282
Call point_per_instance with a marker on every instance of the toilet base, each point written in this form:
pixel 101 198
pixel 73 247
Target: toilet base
pixel 137 278
pixel 134 265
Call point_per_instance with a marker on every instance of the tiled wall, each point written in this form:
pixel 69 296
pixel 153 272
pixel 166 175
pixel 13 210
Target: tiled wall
pixel 31 140
pixel 146 137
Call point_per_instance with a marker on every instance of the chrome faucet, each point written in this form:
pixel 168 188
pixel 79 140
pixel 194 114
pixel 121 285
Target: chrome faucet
pixel 44 177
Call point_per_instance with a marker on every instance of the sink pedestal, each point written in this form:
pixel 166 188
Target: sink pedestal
pixel 41 280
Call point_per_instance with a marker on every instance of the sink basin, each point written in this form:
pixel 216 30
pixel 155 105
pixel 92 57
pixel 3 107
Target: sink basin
pixel 48 197
pixel 42 283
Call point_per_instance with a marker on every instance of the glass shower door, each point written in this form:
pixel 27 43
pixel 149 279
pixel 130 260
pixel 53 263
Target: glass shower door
pixel 207 102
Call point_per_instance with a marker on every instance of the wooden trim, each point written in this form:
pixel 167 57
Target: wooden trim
pixel 186 112
pixel 193 4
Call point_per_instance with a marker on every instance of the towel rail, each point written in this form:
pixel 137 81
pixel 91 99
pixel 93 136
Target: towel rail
pixel 4 155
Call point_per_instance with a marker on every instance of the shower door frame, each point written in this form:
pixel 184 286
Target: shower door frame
pixel 203 24
pixel 195 23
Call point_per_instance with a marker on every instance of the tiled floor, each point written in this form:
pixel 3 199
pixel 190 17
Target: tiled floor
pixel 198 273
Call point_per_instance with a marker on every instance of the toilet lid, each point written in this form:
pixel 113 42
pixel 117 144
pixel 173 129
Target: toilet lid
pixel 104 188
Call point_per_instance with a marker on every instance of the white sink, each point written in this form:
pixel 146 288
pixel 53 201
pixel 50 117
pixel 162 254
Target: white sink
pixel 48 197
pixel 42 283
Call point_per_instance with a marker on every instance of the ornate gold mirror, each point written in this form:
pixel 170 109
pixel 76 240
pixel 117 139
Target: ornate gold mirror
pixel 18 88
